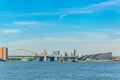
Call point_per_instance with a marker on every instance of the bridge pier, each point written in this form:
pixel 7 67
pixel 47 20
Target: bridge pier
pixel 45 54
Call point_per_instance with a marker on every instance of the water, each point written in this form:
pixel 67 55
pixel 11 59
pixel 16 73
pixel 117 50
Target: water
pixel 60 71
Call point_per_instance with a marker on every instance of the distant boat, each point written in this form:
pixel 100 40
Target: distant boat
pixel 74 60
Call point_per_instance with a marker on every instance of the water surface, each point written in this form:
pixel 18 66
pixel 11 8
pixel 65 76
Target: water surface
pixel 60 71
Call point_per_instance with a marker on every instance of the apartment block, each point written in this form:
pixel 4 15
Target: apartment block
pixel 3 53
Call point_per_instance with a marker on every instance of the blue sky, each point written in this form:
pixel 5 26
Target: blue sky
pixel 90 26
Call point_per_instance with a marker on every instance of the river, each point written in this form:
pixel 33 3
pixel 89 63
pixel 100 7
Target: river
pixel 60 71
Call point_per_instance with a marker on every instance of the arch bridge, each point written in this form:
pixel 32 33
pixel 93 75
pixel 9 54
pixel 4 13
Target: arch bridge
pixel 28 50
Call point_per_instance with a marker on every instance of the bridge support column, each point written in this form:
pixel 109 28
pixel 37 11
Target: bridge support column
pixel 45 58
pixel 56 58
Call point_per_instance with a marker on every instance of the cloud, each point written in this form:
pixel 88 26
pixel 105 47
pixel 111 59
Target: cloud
pixel 10 31
pixel 111 31
pixel 26 23
pixel 89 9
pixel 92 35
pixel 33 14
pixel 98 36
pixel 85 46
pixel 29 23
pixel 62 16
pixel 45 40
pixel 93 8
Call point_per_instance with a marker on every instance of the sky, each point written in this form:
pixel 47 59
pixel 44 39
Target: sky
pixel 89 26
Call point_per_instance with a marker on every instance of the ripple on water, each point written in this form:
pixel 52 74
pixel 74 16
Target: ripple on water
pixel 59 71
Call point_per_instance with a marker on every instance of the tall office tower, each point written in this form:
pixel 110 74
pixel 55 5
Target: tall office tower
pixel 74 52
pixel 4 53
pixel 58 53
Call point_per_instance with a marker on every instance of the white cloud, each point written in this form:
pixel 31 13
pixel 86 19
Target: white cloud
pixel 98 36
pixel 10 31
pixel 62 16
pixel 94 7
pixel 85 46
pixel 26 23
pixel 93 35
pixel 46 40
pixel 29 23
pixel 111 31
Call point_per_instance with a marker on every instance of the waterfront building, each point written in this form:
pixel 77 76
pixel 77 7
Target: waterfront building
pixel 105 56
pixel 99 56
pixel 4 53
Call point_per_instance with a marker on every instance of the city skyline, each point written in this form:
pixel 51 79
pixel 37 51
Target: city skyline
pixel 87 26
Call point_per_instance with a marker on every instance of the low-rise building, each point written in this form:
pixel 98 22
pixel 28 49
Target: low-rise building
pixel 100 56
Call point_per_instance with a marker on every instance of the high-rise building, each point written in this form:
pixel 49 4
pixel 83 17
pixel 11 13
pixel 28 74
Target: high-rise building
pixel 56 53
pixel 71 54
pixel 74 52
pixel 4 53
